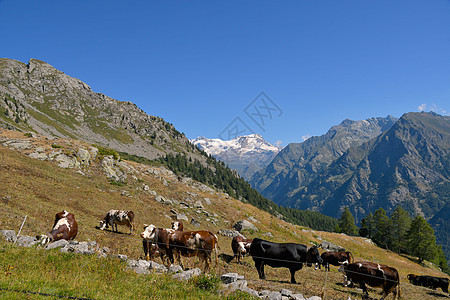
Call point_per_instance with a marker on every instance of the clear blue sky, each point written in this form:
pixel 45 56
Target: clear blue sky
pixel 199 64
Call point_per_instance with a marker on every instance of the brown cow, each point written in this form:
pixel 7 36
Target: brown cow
pixel 240 247
pixel 65 227
pixel 151 250
pixel 183 243
pixel 159 237
pixel 118 217
pixel 336 258
pixel 375 275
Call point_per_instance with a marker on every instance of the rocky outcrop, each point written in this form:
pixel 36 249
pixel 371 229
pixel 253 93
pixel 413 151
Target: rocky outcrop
pixel 244 225
pixel 37 97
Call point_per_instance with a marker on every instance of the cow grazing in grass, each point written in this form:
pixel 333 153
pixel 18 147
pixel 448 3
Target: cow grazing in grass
pixel 431 282
pixel 374 275
pixel 174 243
pixel 240 247
pixel 336 258
pixel 285 255
pixel 118 217
pixel 65 227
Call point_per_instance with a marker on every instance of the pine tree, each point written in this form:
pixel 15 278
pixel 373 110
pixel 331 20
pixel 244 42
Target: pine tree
pixel 347 223
pixel 382 235
pixel 399 224
pixel 367 227
pixel 421 239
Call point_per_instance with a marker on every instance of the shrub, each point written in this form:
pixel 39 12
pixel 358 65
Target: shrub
pixel 207 282
pixel 102 151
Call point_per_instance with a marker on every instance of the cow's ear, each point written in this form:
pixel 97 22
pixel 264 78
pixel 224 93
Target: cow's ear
pixel 145 226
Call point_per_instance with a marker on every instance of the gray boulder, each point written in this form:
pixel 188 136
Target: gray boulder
pixel 66 162
pixel 182 217
pixel 38 155
pixel 195 222
pixel 244 225
pixel 57 244
pixel 9 235
pixel 229 233
pixel 157 267
pixel 175 269
pixel 231 277
pixel 84 156
pixel 331 247
pixel 26 241
pixel 272 296
pixel 186 275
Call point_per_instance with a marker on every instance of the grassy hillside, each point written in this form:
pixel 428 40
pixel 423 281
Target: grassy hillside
pixel 39 189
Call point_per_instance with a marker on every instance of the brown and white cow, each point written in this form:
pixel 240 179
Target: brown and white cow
pixel 65 227
pixel 240 247
pixel 175 243
pixel 118 217
pixel 151 250
pixel 336 258
pixel 374 275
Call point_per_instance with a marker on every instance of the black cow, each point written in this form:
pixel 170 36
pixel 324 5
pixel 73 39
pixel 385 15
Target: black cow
pixel 284 255
pixel 431 282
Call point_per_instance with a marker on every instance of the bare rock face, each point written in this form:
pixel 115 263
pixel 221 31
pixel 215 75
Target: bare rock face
pixel 244 225
pixel 51 103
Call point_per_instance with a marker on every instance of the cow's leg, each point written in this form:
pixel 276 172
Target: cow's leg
pixel 292 275
pixel 365 292
pixel 259 264
pixel 206 259
pixel 131 228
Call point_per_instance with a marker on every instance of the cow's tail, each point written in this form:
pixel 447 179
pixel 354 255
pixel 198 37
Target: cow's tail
pixel 350 257
pixel 399 291
pixel 216 248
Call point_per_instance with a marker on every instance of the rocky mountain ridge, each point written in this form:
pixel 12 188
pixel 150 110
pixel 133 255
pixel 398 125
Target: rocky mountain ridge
pixel 39 98
pixel 246 154
pixel 298 163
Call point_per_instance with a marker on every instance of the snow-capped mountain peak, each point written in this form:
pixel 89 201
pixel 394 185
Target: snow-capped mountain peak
pixel 245 153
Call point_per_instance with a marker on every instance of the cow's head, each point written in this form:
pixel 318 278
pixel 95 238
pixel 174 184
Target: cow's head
pixel 177 225
pixel 242 247
pixel 44 239
pixel 102 225
pixel 313 256
pixel 149 232
pixel 411 277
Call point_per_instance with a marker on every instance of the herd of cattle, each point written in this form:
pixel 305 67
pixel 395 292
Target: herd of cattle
pixel 174 243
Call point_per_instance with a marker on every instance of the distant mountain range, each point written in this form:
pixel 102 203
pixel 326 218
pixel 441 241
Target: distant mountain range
pixel 246 154
pixel 294 168
pixel 365 165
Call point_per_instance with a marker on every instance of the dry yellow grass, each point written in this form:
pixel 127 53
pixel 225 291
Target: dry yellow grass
pixel 39 189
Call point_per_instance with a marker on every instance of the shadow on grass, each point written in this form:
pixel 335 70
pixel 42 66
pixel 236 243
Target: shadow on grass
pixel 226 258
pixel 110 230
pixel 436 294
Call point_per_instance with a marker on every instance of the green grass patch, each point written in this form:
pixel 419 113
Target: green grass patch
pixel 71 275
